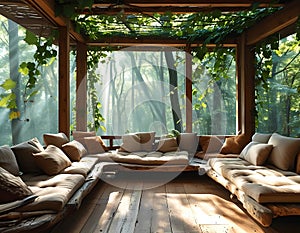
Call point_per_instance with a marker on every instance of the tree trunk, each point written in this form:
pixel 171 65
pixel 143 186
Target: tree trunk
pixel 15 76
pixel 155 109
pixel 177 118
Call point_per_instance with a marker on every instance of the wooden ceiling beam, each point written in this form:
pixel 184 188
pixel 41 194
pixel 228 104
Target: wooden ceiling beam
pixel 178 3
pixel 150 41
pixel 46 7
pixel 182 6
pixel 274 23
pixel 161 10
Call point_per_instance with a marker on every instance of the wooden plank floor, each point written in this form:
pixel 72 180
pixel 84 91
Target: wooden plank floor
pixel 188 204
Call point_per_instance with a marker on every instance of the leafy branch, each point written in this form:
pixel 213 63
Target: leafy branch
pixel 44 55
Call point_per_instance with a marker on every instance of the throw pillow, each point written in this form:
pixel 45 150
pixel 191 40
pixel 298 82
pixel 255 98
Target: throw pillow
pixel 188 142
pixel 83 134
pixel 94 144
pixel 285 150
pixel 23 152
pixel 12 188
pixel 52 160
pixel 261 137
pixel 56 139
pixel 80 135
pixel 167 145
pixel 235 144
pixel 211 144
pixel 8 160
pixel 256 153
pixel 146 140
pixel 130 143
pixel 74 150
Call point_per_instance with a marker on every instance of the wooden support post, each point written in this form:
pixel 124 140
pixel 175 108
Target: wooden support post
pixel 188 90
pixel 64 81
pixel 81 87
pixel 246 87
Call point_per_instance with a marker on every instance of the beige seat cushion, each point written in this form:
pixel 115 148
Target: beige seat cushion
pixel 150 158
pixel 207 156
pixel 53 191
pixel 83 167
pixel 263 184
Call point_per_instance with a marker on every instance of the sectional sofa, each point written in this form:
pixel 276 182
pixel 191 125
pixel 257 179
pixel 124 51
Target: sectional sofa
pixel 41 184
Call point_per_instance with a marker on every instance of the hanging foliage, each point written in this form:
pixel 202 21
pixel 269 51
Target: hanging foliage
pixel 44 55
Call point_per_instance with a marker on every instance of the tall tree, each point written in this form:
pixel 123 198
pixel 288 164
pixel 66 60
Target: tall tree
pixel 173 80
pixel 15 75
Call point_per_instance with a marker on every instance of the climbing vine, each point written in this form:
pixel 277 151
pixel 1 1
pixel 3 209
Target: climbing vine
pixel 44 55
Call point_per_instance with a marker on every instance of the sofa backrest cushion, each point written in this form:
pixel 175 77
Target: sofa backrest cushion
pixel 74 150
pixel 188 142
pixel 261 137
pixel 211 144
pixel 234 145
pixel 130 143
pixel 167 145
pixel 52 160
pixel 256 153
pixel 285 150
pixel 94 145
pixel 23 152
pixel 82 134
pixel 12 188
pixel 56 139
pixel 146 140
pixel 8 160
pixel 134 142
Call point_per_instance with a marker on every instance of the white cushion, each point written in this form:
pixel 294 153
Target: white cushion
pixel 285 150
pixel 256 153
pixel 261 137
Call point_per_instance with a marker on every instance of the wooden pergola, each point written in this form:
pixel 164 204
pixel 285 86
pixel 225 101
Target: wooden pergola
pixel 39 17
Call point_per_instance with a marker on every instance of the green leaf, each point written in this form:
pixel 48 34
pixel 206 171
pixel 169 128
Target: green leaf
pixel 32 94
pixel 31 38
pixel 4 101
pixel 102 127
pixel 8 101
pixel 8 84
